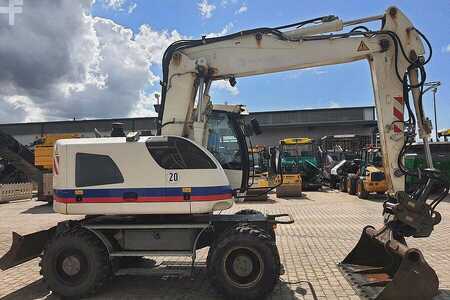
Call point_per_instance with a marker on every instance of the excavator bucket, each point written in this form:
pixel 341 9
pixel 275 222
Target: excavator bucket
pixel 24 248
pixel 383 268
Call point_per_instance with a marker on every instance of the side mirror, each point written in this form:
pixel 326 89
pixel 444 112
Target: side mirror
pixel 255 126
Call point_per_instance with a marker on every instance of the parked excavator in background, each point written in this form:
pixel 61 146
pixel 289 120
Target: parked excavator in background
pixel 156 195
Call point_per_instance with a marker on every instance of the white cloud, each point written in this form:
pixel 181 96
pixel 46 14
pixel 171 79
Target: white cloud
pixel 114 4
pixel 132 7
pixel 144 107
pixel 242 9
pixel 154 43
pixel 297 73
pixel 119 5
pixel 446 49
pixel 319 71
pixel 294 74
pixel 33 113
pixel 225 85
pixel 60 62
pixel 226 30
pixel 205 8
pixel 333 104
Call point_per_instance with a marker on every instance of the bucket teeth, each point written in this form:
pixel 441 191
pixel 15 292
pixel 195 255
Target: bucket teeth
pixel 383 268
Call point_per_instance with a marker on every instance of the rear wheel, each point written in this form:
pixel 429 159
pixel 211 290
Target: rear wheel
pixel 244 263
pixel 75 264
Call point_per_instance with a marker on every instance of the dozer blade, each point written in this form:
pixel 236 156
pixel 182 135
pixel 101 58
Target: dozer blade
pixel 383 268
pixel 24 248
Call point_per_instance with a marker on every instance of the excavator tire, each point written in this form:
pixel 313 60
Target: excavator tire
pixel 244 263
pixel 333 183
pixel 361 191
pixel 249 211
pixel 351 184
pixel 343 184
pixel 75 264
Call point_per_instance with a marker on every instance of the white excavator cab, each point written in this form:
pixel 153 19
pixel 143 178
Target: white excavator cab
pixel 150 175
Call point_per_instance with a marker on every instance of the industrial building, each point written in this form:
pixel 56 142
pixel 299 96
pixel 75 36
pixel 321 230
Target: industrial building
pixel 276 125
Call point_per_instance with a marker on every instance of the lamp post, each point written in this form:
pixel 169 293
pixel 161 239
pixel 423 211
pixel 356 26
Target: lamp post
pixel 433 85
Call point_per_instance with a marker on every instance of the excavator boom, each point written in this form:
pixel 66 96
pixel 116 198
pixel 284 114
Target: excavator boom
pixel 396 56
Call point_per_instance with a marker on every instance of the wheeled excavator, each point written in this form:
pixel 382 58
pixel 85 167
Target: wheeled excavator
pixel 159 192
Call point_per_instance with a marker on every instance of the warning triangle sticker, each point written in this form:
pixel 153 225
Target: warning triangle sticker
pixel 363 47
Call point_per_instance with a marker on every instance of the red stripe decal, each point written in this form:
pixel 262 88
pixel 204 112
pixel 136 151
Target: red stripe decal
pixel 399 99
pixel 398 114
pixel 144 199
pixel 397 129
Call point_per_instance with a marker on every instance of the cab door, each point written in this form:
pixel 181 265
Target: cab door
pixel 226 141
pixel 189 171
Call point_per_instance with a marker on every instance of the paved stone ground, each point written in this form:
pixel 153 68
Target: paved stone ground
pixel 328 225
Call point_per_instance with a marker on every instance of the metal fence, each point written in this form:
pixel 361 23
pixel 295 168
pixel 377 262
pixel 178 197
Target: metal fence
pixel 15 191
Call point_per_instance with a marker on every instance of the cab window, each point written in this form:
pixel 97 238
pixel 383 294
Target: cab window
pixel 177 153
pixel 96 169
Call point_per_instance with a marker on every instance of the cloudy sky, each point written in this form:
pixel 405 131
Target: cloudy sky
pixel 66 59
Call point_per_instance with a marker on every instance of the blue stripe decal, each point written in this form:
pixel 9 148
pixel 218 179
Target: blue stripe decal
pixel 145 192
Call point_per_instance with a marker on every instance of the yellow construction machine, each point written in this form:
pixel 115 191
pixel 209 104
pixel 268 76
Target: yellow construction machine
pixel 44 161
pixel 290 183
pixel 370 177
pixel 258 177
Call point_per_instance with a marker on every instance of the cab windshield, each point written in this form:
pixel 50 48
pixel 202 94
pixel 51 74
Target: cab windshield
pixel 223 141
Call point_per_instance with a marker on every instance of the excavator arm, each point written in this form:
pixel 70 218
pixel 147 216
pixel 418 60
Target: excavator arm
pixel 396 56
pixel 190 66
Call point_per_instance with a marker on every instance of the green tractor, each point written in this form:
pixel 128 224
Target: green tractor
pixel 415 159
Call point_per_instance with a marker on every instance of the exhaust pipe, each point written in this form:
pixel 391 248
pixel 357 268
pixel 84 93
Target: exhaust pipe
pixel 382 267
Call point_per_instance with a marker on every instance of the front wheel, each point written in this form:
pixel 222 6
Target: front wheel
pixel 75 264
pixel 244 263
pixel 248 211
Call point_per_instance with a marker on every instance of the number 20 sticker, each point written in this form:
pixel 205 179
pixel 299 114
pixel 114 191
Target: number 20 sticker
pixel 172 177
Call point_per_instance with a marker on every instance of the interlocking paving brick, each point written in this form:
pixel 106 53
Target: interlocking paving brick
pixel 328 225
